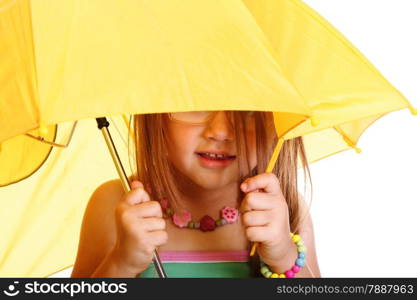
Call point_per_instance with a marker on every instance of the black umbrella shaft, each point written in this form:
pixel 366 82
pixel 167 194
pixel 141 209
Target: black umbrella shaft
pixel 102 125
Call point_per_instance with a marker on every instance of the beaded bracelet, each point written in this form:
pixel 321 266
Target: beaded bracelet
pixel 299 263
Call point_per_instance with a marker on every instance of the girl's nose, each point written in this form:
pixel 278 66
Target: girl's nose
pixel 219 127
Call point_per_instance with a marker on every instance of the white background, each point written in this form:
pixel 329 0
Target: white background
pixel 364 205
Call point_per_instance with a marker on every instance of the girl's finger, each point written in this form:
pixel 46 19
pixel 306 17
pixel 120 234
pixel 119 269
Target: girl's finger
pixel 153 224
pixel 159 237
pixel 268 182
pixel 255 218
pixel 136 184
pixel 136 196
pixel 147 210
pixel 257 201
pixel 258 233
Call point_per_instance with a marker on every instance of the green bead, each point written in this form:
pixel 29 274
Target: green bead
pixel 191 224
pixel 268 274
pixel 264 270
pixel 169 211
pixel 219 222
pixel 300 243
pixel 301 249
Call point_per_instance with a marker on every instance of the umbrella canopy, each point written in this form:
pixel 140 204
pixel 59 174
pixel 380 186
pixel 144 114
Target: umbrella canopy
pixel 71 60
pixel 339 84
pixel 74 60
pixel 42 214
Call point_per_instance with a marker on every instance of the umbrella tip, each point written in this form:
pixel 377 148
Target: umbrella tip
pixel 352 144
pixel 43 130
pixel 314 121
pixel 413 110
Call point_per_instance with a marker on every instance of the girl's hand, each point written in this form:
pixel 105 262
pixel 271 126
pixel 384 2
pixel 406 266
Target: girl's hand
pixel 265 215
pixel 140 229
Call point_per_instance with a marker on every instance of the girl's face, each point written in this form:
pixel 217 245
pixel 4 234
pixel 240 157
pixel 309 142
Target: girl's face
pixel 189 147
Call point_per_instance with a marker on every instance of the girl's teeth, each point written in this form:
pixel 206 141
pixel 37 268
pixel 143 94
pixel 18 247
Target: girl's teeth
pixel 212 155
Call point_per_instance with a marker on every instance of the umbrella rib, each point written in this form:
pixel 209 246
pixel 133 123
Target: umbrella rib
pixel 42 139
pixel 118 131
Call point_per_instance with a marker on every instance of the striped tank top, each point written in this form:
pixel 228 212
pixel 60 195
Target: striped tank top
pixel 201 264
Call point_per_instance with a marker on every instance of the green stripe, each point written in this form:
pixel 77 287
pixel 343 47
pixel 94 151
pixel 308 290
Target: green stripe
pixel 200 270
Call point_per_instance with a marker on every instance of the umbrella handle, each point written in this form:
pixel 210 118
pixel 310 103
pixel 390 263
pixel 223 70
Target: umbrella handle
pixel 103 125
pixel 269 169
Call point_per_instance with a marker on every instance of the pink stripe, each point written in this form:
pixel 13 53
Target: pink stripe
pixel 204 256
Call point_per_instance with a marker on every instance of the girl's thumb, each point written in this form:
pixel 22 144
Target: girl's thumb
pixel 136 184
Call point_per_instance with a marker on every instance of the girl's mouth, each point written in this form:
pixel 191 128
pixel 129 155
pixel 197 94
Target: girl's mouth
pixel 211 160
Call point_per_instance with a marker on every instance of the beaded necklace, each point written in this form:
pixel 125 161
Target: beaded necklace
pixel 228 215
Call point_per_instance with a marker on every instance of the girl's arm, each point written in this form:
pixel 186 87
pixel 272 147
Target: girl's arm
pixel 111 267
pixel 311 268
pixel 98 235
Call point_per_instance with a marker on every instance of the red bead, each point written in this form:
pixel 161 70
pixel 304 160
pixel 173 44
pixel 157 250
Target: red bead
pixel 207 223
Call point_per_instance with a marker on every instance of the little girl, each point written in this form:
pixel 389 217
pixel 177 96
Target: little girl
pixel 201 198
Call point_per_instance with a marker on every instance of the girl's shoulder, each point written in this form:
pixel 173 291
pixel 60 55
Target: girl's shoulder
pixel 113 186
pixel 106 197
pixel 112 190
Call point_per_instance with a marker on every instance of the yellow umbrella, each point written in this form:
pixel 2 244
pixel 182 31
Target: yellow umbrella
pixel 109 58
pixel 112 58
pixel 142 60
pixel 343 89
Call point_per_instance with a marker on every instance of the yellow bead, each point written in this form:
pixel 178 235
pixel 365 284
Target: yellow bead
pixel 274 275
pixel 413 110
pixel 282 276
pixel 358 150
pixel 296 238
